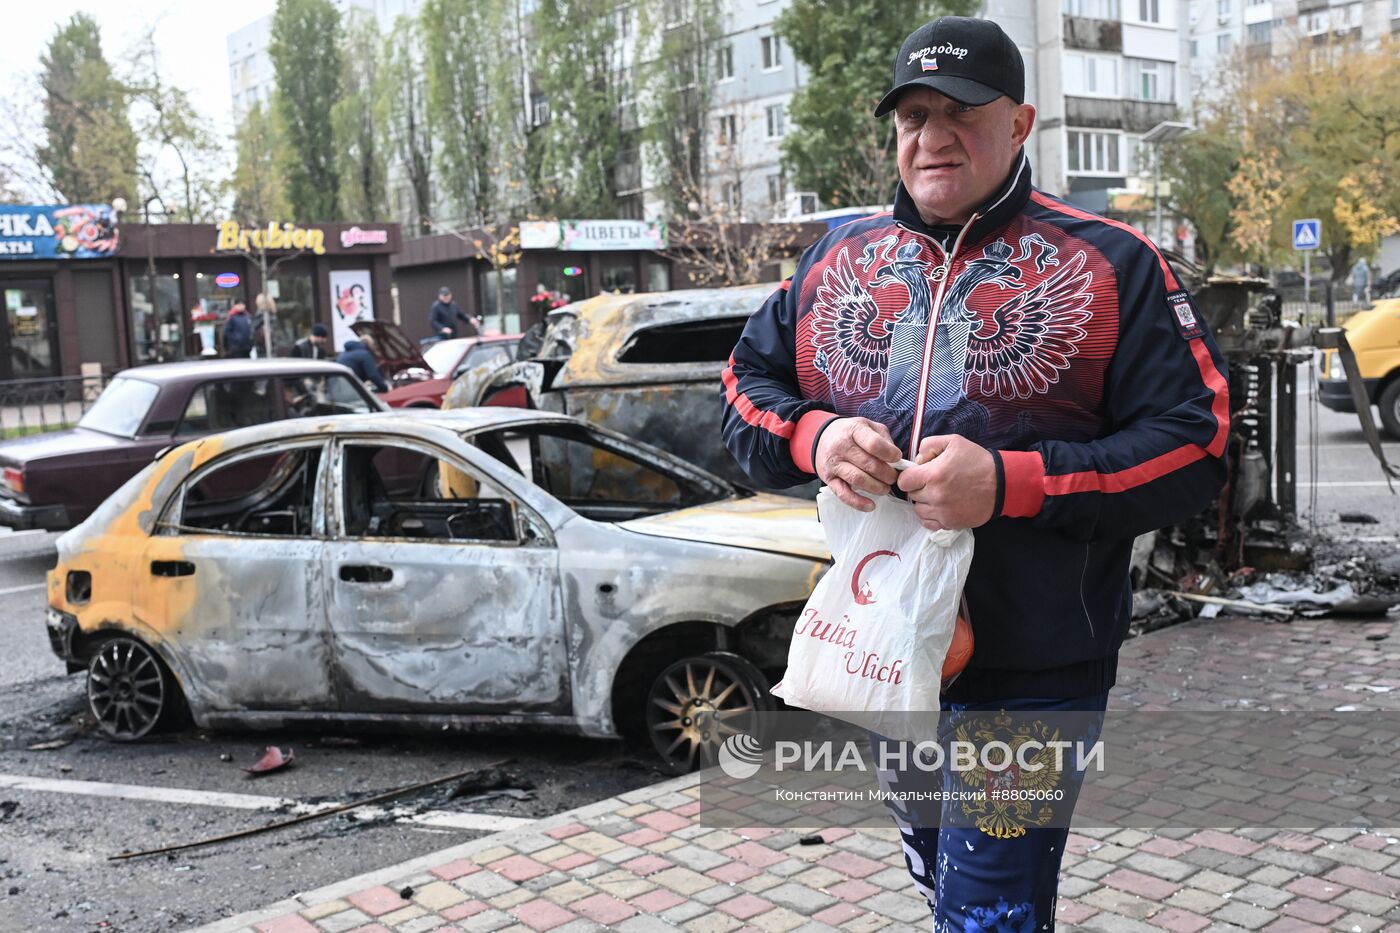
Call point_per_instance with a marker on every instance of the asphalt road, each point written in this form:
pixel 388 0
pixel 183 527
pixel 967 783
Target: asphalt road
pixel 56 837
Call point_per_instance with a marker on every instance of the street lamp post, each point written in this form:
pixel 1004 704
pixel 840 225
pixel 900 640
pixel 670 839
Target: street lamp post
pixel 1163 132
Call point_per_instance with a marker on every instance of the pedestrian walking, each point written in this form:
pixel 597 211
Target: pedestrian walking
pixel 1360 282
pixel 445 315
pixel 314 345
pixel 1053 381
pixel 360 358
pixel 238 332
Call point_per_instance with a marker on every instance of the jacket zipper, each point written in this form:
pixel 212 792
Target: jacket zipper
pixel 944 272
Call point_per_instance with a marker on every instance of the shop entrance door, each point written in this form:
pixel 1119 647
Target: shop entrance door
pixel 27 339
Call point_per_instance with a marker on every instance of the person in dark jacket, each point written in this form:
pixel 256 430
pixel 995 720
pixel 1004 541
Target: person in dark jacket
pixel 445 314
pixel 238 332
pixel 313 346
pixel 1057 390
pixel 362 363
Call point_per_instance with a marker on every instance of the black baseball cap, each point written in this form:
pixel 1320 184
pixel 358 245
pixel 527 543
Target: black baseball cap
pixel 970 60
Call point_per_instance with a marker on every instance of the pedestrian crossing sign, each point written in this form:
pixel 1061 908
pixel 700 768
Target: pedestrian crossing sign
pixel 1307 234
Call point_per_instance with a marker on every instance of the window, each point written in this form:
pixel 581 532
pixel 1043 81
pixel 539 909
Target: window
pixel 724 62
pixel 776 115
pixel 688 342
pixel 593 475
pixel 398 491
pixel 304 396
pixel 1091 75
pixel 1314 22
pixel 1091 153
pixel 1222 8
pixel 777 190
pixel 675 12
pixel 729 194
pixel 539 110
pixel 772 53
pixel 1195 49
pixel 1395 9
pixel 1092 9
pixel 121 407
pixel 1148 80
pixel 156 327
pixel 266 495
pixel 1260 33
pixel 727 132
pixel 494 355
pixel 223 406
pixel 1223 42
pixel 1149 11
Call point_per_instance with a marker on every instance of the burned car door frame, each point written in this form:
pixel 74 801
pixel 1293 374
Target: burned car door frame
pixel 242 607
pixel 440 624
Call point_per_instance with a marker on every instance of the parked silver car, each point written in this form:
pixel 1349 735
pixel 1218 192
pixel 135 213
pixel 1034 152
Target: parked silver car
pixel 487 566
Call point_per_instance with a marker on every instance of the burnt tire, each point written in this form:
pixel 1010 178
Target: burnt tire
pixel 131 692
pixel 1389 403
pixel 696 703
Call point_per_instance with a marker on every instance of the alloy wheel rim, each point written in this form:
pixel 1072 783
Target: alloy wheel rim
pixel 697 714
pixel 125 689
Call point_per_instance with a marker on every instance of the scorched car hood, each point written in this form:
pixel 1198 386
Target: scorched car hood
pixel 762 522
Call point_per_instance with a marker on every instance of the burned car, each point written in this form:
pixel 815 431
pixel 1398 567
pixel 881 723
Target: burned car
pixel 418 376
pixel 486 567
pixel 646 365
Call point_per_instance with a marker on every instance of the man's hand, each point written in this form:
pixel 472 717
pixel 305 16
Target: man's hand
pixel 855 453
pixel 953 485
pixel 446 332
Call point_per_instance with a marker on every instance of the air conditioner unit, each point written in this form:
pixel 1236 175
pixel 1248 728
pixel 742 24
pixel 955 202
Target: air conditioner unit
pixel 1223 19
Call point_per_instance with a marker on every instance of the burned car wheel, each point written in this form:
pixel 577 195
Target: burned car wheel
pixel 130 692
pixel 698 702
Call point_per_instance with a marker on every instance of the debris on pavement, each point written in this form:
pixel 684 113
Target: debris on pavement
pixel 49 746
pixel 490 779
pixel 813 840
pixel 273 759
pixel 1357 518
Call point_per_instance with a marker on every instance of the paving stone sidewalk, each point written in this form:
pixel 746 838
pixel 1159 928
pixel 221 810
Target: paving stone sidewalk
pixel 641 862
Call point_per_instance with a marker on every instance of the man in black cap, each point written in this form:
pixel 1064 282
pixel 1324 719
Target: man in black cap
pixel 313 346
pixel 445 314
pixel 1056 390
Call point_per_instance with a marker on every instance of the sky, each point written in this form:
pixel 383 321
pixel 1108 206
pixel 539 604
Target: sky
pixel 192 36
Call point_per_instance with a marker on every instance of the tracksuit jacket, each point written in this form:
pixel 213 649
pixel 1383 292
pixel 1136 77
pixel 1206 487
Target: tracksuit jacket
pixel 1064 344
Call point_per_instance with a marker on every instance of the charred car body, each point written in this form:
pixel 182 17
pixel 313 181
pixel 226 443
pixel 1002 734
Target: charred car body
pixel 489 567
pixel 647 365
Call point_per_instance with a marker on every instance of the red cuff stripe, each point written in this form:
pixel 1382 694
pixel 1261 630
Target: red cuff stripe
pixel 1024 472
pixel 1220 405
pixel 808 426
pixel 766 420
pixel 1172 284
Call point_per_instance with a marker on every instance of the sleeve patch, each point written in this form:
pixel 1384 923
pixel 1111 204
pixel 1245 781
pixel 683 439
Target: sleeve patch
pixel 1188 318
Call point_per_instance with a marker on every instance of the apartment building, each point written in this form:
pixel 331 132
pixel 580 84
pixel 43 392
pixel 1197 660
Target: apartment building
pixel 250 76
pixel 1265 28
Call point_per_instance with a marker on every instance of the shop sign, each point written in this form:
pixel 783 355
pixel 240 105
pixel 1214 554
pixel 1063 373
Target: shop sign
pixel 234 237
pixel 589 235
pixel 226 280
pixel 357 237
pixel 57 231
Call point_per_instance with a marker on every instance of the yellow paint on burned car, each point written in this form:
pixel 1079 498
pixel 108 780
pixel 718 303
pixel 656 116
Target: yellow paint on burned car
pixel 766 522
pixel 599 335
pixel 115 545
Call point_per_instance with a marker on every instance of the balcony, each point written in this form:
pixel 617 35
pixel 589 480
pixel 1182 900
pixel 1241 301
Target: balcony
pixel 1095 35
pixel 1132 116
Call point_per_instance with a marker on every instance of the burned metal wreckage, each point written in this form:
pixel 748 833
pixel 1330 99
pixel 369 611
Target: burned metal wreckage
pixel 493 567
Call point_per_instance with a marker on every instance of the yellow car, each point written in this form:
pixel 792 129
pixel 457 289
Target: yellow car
pixel 1374 334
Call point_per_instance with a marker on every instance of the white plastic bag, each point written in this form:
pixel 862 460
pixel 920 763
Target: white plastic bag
pixel 873 636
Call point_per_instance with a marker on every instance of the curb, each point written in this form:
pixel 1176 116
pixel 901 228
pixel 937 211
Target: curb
pixel 33 543
pixel 339 889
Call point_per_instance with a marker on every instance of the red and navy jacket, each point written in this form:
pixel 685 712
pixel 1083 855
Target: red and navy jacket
pixel 1063 343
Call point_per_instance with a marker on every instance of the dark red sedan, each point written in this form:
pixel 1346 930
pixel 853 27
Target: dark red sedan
pixel 420 378
pixel 54 481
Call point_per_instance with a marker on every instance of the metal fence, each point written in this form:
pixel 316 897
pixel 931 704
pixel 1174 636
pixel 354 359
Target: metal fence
pixel 34 406
pixel 1315 312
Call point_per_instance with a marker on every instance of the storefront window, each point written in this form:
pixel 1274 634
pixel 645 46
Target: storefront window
pixel 497 296
pixel 291 293
pixel 565 276
pixel 28 319
pixel 155 318
pixel 217 291
pixel 658 276
pixel 620 279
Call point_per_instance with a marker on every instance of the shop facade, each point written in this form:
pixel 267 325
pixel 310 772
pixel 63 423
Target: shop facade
pixel 134 294
pixel 546 263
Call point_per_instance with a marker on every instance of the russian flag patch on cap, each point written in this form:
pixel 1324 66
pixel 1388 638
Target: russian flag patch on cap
pixel 929 63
